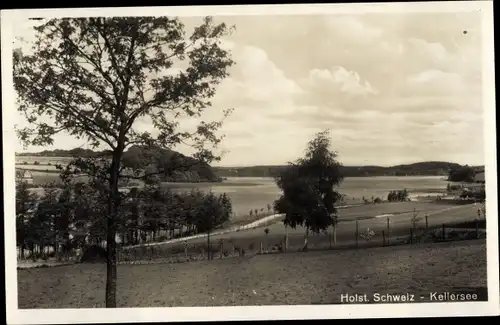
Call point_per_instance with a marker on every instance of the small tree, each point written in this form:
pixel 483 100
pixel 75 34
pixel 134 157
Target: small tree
pixel 63 219
pixel 227 207
pixel 266 231
pixel 308 188
pixel 42 225
pixel 211 214
pixel 26 202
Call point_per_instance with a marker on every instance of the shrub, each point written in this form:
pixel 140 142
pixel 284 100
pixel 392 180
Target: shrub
pixel 398 196
pixel 94 254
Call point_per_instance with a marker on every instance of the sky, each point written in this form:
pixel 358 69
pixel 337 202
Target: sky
pixel 392 88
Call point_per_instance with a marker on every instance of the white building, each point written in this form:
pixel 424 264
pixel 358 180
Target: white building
pixel 24 175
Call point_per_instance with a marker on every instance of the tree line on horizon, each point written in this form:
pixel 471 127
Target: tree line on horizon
pixel 416 169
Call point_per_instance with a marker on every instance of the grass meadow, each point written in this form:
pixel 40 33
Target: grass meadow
pixel 315 277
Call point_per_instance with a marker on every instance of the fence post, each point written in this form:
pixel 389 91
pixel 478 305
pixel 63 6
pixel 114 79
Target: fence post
pixel 357 233
pixel 233 249
pixel 444 232
pixel 411 235
pixel 388 230
pixel 261 246
pixel 426 222
pixel 186 250
pixel 383 238
pixel 335 235
pixel 221 248
pixel 286 238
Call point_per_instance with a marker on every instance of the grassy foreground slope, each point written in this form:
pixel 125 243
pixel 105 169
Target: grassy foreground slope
pixel 318 277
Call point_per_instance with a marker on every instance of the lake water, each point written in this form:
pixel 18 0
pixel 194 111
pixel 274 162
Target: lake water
pixel 248 193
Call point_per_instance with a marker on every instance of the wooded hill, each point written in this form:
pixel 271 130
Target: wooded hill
pixel 178 167
pixel 430 168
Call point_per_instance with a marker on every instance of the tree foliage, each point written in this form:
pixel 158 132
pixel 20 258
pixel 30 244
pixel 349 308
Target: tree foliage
pixel 462 174
pixel 309 187
pixel 79 210
pixel 398 196
pixel 26 202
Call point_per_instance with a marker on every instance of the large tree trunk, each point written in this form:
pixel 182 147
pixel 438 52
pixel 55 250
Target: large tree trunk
pixel 113 204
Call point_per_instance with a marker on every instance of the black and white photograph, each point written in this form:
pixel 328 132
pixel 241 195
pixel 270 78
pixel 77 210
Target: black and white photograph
pixel 276 162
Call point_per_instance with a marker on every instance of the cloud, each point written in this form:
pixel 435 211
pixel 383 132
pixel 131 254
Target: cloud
pixel 351 29
pixel 255 77
pixel 391 87
pixel 341 80
pixel 438 83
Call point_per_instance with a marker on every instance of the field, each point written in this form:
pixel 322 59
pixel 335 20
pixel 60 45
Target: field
pixel 399 224
pixel 295 278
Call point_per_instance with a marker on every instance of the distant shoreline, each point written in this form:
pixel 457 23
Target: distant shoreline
pixel 55 171
pixel 431 169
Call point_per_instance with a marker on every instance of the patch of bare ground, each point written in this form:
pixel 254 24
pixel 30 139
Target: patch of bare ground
pixel 315 277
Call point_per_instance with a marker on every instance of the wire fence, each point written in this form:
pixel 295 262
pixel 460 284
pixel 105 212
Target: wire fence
pixel 416 231
pixel 389 231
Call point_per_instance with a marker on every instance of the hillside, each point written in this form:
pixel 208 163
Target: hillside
pixel 430 168
pixel 77 152
pixel 178 167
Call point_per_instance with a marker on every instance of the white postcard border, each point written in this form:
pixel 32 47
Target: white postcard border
pixel 53 316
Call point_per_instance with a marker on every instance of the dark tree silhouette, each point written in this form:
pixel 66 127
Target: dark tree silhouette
pixel 462 174
pixel 309 188
pixel 25 206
